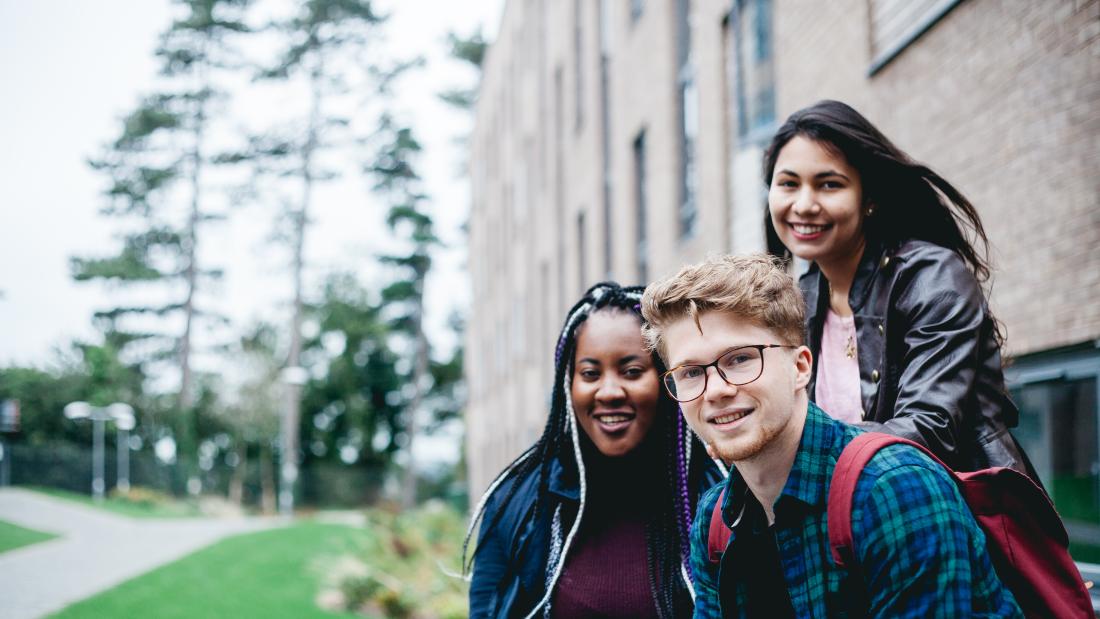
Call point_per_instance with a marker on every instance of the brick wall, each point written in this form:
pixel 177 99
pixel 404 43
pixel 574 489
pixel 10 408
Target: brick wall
pixel 999 96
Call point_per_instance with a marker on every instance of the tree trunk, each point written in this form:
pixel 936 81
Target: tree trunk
pixel 419 377
pixel 267 481
pixel 289 465
pixel 190 242
pixel 240 473
pixel 188 438
pixel 288 470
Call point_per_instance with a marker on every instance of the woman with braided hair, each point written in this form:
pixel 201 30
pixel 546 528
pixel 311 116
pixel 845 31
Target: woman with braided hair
pixel 593 519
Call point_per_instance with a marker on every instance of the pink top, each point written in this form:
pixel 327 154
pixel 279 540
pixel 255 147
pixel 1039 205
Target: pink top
pixel 837 391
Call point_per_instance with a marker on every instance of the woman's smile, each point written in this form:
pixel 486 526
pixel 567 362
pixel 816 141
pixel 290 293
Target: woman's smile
pixel 614 421
pixel 808 232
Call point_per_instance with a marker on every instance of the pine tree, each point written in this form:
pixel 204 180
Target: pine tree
pixel 159 192
pixel 471 50
pixel 320 43
pixel 398 181
pixel 355 405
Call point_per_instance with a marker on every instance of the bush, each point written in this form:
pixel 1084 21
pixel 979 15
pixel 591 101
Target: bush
pixel 142 496
pixel 400 571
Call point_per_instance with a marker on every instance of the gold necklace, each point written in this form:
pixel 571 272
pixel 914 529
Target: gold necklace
pixel 850 346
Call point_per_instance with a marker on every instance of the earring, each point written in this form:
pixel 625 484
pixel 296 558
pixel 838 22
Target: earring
pixel 870 211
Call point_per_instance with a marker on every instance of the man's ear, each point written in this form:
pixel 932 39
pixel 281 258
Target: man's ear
pixel 803 365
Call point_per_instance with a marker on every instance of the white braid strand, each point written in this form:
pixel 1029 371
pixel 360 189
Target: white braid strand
pixel 572 421
pixel 554 554
pixel 479 511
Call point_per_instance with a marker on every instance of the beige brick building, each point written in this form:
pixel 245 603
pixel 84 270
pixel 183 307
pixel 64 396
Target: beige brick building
pixel 622 138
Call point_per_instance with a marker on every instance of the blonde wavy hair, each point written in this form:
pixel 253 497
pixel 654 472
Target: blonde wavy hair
pixel 755 287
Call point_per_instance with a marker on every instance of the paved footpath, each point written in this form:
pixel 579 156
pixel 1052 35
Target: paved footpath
pixel 96 550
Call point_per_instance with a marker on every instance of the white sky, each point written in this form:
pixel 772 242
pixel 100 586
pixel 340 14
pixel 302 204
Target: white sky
pixel 70 69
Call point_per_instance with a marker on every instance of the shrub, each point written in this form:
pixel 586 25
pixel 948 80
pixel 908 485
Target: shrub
pixel 400 571
pixel 142 496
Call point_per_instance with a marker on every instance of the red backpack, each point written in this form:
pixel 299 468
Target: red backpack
pixel 1026 539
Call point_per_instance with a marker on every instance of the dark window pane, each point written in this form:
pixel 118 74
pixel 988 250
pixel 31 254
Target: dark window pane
pixel 755 73
pixel 1058 430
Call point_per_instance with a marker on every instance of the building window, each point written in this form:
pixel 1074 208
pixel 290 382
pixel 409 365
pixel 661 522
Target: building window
pixel 545 327
pixel 895 25
pixel 755 70
pixel 582 253
pixel 605 134
pixel 729 121
pixel 519 332
pixel 642 243
pixel 578 65
pixel 559 178
pixel 688 103
pixel 1057 394
pixel 637 7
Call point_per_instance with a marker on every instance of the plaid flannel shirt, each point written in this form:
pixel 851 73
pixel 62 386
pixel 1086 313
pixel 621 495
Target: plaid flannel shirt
pixel 919 551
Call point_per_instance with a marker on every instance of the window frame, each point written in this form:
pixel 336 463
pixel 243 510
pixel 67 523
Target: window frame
pixel 1074 363
pixel 748 136
pixel 881 59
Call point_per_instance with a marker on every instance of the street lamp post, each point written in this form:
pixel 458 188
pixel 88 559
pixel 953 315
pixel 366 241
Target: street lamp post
pixel 293 377
pixel 124 422
pixel 121 414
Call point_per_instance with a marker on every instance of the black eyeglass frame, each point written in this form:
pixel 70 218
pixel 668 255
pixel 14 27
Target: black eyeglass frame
pixel 714 364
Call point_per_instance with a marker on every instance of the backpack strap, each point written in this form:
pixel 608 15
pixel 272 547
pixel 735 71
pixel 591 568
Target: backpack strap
pixel 718 536
pixel 842 488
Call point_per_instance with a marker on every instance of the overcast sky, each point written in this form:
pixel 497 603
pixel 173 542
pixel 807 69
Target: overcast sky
pixel 70 69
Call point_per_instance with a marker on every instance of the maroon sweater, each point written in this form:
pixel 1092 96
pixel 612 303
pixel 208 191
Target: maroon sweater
pixel 606 572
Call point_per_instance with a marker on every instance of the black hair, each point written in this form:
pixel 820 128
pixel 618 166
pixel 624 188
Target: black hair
pixel 667 533
pixel 910 200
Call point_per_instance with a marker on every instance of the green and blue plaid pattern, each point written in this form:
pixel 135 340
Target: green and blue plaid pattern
pixel 920 553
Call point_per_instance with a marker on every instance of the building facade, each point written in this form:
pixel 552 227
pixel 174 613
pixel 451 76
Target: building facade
pixel 620 139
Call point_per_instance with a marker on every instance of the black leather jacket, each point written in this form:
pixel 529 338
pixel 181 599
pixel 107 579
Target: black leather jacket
pixel 929 364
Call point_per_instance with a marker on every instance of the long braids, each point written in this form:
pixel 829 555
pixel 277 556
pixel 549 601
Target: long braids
pixel 551 439
pixel 667 535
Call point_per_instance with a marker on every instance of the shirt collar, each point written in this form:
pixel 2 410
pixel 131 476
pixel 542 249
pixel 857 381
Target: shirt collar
pixel 814 461
pixel 563 482
pixel 808 480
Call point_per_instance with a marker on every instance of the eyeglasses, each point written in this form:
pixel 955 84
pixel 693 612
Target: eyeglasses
pixel 738 366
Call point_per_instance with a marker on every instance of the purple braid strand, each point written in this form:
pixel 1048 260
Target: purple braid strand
pixel 559 349
pixel 682 486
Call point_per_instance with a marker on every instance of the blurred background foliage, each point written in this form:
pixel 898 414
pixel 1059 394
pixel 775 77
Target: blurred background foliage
pixel 341 385
pixel 181 164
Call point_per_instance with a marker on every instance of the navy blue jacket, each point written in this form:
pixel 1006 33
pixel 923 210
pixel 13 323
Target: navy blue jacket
pixel 509 584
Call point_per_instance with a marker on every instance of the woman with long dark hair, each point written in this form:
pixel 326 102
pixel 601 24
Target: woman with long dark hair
pixel 593 519
pixel 900 328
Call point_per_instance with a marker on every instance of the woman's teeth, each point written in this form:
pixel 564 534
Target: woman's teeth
pixel 807 229
pixel 609 419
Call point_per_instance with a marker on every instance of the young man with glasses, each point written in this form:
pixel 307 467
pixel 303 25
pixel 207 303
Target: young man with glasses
pixel 731 329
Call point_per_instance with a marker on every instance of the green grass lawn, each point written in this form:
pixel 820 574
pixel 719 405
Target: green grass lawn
pixel 13 536
pixel 161 508
pixel 269 574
